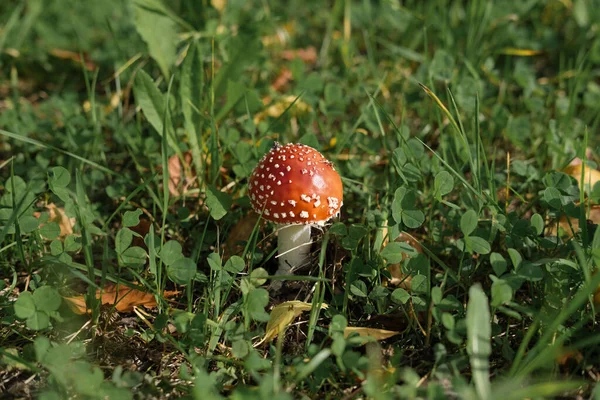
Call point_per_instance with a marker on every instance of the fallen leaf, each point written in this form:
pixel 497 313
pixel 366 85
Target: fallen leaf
pixel 182 178
pixel 282 315
pixel 590 178
pixel 398 277
pixel 565 227
pixel 281 36
pixel 58 215
pixel 276 109
pixel 218 5
pixel 308 55
pixel 239 234
pixel 379 334
pixel 142 229
pixel 282 79
pixel 569 355
pixel 123 297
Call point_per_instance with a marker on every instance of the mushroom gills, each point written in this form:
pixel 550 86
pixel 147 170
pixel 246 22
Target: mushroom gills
pixel 293 242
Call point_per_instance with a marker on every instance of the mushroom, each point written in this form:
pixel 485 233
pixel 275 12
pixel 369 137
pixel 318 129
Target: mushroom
pixel 295 187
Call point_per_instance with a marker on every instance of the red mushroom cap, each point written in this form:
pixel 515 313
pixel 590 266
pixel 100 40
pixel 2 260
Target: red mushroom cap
pixel 295 184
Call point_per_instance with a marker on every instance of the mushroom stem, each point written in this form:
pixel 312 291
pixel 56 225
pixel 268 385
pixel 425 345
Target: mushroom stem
pixel 293 243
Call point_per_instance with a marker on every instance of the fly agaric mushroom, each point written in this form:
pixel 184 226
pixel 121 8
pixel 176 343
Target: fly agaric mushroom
pixel 295 187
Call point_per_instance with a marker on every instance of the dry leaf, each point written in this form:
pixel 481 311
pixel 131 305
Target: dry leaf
pixel 597 298
pixel 239 234
pixel 563 223
pixel 591 176
pixel 379 334
pixel 282 315
pixel 142 229
pixel 398 277
pixel 282 79
pixel 281 36
pixel 308 55
pixel 569 355
pixel 276 109
pixel 124 298
pixel 58 215
pixel 218 5
pixel 178 185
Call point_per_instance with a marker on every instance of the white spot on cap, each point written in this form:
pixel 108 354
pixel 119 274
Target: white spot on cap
pixel 305 198
pixel 333 202
pixel 275 215
pixel 292 202
pixel 304 214
pixel 283 215
pixel 279 182
pixel 288 168
pixel 292 214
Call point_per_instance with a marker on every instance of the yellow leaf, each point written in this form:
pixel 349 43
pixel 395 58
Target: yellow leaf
pixel 590 176
pixel 379 334
pixel 219 5
pixel 282 315
pixel 276 109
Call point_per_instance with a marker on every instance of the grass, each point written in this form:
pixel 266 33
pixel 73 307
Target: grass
pixel 128 132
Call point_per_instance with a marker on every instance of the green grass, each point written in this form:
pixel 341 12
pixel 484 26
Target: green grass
pixel 449 122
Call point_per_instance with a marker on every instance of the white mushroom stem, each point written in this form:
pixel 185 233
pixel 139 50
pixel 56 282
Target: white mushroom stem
pixel 293 242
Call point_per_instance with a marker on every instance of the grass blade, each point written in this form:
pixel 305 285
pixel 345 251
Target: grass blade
pixel 479 333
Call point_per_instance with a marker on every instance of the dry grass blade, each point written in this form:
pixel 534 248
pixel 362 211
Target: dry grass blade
pixel 379 334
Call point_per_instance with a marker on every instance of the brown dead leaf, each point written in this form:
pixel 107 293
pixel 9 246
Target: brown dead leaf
pixel 564 358
pixel 142 229
pixel 285 75
pixel 124 298
pixel 239 234
pixel 565 228
pixel 379 334
pixel 58 215
pixel 308 55
pixel 398 277
pixel 182 178
pixel 590 178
